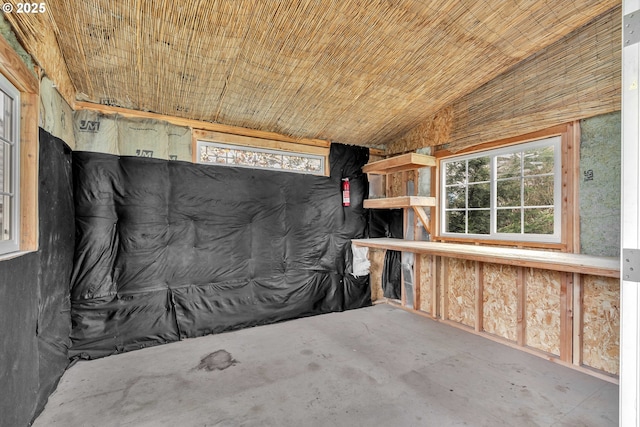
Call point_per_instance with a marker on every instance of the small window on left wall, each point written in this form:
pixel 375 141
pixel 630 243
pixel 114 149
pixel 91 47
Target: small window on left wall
pixel 9 167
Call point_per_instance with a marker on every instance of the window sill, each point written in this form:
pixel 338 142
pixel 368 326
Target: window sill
pixel 495 242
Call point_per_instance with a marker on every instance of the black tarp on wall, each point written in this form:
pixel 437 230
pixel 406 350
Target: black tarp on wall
pixel 34 295
pixel 389 223
pixel 167 250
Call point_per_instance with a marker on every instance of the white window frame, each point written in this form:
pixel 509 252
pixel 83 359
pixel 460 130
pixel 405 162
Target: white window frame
pixel 13 175
pixel 556 237
pixel 201 144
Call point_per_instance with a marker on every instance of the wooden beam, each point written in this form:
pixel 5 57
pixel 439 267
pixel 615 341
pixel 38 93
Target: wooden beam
pixel 12 67
pixel 199 124
pixel 543 245
pixel 15 70
pixel 566 191
pixel 399 202
pixel 552 131
pixel 479 327
pixel 29 171
pixel 575 186
pixel 422 216
pixel 401 163
pixel 566 324
pixel 249 141
pixel 546 260
pixel 417 266
pixel 444 289
pixel 43 47
pixel 521 312
pixel 577 318
pixel 435 288
pixel 435 192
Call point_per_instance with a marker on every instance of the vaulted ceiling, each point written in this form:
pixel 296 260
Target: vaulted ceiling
pixel 356 72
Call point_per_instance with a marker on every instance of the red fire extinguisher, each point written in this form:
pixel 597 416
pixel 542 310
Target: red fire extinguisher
pixel 346 200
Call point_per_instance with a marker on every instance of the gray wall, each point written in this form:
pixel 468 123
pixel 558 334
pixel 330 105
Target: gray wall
pixel 18 317
pixel 600 167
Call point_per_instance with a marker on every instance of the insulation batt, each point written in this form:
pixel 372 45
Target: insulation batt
pixel 167 250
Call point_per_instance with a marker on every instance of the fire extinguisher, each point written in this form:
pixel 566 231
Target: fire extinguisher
pixel 346 199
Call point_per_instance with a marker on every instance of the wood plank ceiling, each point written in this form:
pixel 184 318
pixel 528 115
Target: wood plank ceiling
pixel 356 72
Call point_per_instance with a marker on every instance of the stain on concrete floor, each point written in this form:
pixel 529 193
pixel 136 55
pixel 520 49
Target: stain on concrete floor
pixel 217 361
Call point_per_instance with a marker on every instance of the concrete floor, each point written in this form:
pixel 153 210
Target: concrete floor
pixel 378 366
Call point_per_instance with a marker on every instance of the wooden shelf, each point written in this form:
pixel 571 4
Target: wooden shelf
pixel 399 202
pixel 401 163
pixel 557 261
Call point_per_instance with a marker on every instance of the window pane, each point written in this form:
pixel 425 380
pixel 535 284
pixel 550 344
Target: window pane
pixel 245 158
pixel 508 221
pixel 2 126
pixel 8 111
pixel 538 191
pixel 538 161
pixel 260 158
pixel 456 197
pixel 479 169
pixel 269 160
pixel 479 222
pixel 508 165
pixel 294 163
pixel 479 195
pixel 538 221
pixel 455 222
pixel 4 165
pixel 455 172
pixel 508 193
pixel 5 218
pixel 315 165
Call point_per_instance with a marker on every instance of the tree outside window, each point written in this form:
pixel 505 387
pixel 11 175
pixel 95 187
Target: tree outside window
pixel 510 193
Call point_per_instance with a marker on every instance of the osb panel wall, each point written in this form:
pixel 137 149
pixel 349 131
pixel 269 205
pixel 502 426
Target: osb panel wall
pixel 461 290
pixel 376 258
pixel 426 284
pixel 601 323
pixel 500 300
pixel 542 289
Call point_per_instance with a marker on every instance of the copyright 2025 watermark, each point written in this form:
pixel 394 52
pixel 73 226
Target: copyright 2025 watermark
pixel 24 8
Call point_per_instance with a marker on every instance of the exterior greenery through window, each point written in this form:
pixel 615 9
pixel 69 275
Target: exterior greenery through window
pixel 511 193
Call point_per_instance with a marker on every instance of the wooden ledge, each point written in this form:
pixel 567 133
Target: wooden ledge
pixel 401 163
pixel 547 260
pixel 399 202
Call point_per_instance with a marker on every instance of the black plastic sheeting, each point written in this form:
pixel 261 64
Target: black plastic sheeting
pixel 34 295
pixel 167 250
pixel 56 242
pixel 388 223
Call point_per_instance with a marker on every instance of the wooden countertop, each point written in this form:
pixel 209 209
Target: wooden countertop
pixel 548 260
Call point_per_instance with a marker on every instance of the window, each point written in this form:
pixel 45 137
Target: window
pixel 9 167
pixel 510 193
pixel 260 158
